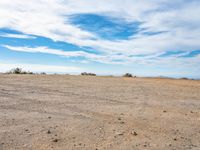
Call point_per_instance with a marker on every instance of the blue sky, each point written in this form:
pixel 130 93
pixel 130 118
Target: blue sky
pixel 146 38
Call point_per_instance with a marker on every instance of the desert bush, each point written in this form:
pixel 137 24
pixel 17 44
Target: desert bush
pixel 88 74
pixel 15 71
pixel 128 75
pixel 184 78
pixel 43 73
pixel 19 71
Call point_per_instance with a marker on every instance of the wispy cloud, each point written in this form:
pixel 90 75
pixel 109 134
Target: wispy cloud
pixel 152 59
pixel 89 56
pixel 180 30
pixel 18 36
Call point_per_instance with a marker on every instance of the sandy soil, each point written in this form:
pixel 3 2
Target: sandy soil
pixel 61 112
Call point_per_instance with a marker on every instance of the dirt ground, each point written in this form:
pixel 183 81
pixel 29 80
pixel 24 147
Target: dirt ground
pixel 62 112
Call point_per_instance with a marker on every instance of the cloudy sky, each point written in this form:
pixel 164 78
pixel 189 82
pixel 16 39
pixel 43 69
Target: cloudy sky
pixel 143 37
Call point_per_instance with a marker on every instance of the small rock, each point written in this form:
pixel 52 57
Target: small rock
pixel 49 117
pixel 119 118
pixel 55 140
pixel 134 133
pixel 175 139
pixel 164 111
pixel 48 132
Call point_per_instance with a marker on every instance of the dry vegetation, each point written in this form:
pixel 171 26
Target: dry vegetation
pixel 62 112
pixel 18 71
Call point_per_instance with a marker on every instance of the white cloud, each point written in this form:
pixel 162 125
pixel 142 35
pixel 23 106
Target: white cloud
pixel 49 18
pixel 89 56
pixel 175 60
pixel 19 36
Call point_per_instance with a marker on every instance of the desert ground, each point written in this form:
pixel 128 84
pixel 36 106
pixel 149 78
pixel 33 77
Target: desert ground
pixel 63 112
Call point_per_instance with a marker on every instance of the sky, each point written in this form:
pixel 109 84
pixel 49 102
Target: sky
pixel 106 37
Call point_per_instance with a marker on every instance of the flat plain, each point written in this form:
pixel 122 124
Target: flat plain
pixel 63 112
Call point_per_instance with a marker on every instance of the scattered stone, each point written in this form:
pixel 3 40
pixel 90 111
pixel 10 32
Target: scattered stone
pixel 134 133
pixel 175 139
pixel 55 140
pixel 122 122
pixel 49 117
pixel 119 118
pixel 191 112
pixel 121 134
pixel 48 132
pixel 164 111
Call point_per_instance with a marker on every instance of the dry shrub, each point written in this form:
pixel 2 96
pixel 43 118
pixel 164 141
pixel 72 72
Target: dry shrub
pixel 88 74
pixel 19 71
pixel 129 75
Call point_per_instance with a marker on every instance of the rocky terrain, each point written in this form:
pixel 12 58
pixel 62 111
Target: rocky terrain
pixel 62 112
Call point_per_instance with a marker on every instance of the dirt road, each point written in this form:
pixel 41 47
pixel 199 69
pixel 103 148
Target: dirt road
pixel 61 112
